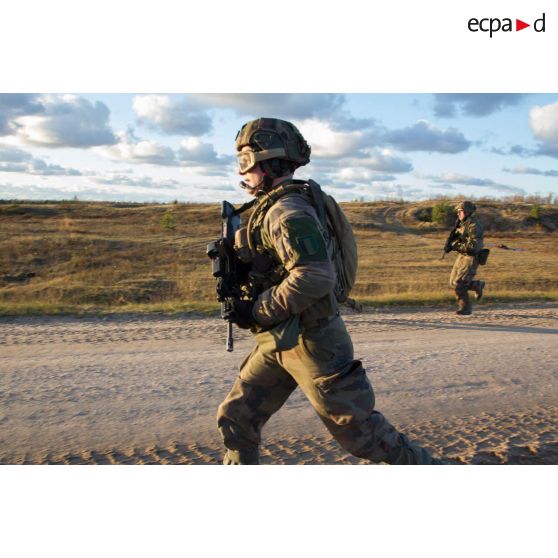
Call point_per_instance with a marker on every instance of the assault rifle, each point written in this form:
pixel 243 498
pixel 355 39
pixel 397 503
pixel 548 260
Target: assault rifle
pixel 448 246
pixel 226 267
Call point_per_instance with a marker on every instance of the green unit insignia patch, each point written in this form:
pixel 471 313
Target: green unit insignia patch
pixel 307 242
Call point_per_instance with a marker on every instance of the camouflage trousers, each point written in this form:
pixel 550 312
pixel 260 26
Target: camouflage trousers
pixel 322 366
pixel 462 279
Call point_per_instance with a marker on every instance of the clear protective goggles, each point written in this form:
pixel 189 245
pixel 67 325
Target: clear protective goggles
pixel 249 159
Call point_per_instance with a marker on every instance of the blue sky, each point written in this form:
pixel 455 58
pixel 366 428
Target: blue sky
pixel 158 147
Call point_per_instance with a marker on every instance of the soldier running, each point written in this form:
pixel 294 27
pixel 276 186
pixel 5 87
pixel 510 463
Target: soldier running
pixel 468 241
pixel 298 279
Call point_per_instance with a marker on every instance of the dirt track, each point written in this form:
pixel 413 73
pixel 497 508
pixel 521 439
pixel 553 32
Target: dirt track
pixel 144 389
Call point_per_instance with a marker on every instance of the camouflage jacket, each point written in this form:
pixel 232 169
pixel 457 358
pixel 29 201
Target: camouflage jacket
pixel 291 233
pixel 469 236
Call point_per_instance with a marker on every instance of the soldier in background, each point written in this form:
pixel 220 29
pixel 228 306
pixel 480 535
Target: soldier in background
pixel 468 241
pixel 298 279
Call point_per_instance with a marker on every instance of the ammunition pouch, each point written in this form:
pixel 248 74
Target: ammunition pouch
pixel 241 245
pixel 482 256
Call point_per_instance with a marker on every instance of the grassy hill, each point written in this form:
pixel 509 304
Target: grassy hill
pixel 87 256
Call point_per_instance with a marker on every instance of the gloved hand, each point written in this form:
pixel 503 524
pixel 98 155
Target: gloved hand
pixel 241 314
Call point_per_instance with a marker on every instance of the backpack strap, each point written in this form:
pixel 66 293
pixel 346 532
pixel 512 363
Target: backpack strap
pixel 264 203
pixel 317 197
pixel 244 207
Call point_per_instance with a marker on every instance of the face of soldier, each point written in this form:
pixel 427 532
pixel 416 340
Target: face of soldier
pixel 461 215
pixel 253 179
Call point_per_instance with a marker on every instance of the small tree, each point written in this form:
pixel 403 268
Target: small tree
pixel 443 213
pixel 168 222
pixel 535 212
pixel 424 214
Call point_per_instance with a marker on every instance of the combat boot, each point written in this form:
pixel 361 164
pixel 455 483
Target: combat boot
pixel 409 453
pixel 478 287
pixel 464 304
pixel 241 457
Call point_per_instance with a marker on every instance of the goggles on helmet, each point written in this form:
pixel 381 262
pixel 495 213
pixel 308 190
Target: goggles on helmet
pixel 249 159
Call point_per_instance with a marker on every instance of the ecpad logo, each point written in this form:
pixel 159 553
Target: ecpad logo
pixel 493 25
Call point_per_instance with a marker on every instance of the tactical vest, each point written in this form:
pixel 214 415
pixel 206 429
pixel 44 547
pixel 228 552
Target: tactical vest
pixel 335 225
pixel 465 236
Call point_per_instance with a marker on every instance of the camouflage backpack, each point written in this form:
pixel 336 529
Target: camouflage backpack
pixel 334 221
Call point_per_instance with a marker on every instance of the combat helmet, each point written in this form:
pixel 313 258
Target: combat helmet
pixel 467 206
pixel 276 144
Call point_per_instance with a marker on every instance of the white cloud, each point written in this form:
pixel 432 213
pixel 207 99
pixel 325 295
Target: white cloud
pixel 384 160
pixel 465 180
pixel 327 107
pixel 365 176
pixel 192 150
pixel 114 193
pixel 217 187
pixel 356 152
pixel 13 155
pixel 458 178
pixel 132 150
pixel 372 191
pixel 378 160
pixel 65 121
pixel 360 174
pixel 326 142
pixel 17 160
pixel 423 136
pixel 516 150
pixel 278 105
pixel 193 156
pixel 13 105
pixel 198 157
pixel 531 170
pixel 160 112
pixel 544 124
pixel 442 186
pixel 140 181
pixel 474 104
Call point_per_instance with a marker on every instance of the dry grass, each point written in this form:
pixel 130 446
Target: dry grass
pixel 97 257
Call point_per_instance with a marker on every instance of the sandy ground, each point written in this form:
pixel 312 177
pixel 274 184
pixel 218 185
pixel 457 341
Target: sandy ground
pixel 145 389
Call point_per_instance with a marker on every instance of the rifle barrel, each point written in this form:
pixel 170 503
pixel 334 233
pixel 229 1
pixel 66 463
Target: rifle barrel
pixel 230 341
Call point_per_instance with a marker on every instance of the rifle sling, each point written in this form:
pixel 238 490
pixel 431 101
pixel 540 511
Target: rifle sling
pixel 245 206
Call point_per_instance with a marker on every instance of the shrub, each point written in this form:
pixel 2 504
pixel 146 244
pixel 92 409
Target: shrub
pixel 443 213
pixel 535 212
pixel 168 222
pixel 424 215
pixel 13 209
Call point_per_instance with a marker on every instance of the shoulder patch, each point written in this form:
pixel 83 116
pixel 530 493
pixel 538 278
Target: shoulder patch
pixel 306 240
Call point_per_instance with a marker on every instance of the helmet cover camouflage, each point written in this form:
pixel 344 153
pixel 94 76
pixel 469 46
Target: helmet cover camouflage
pixel 272 138
pixel 467 206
